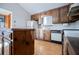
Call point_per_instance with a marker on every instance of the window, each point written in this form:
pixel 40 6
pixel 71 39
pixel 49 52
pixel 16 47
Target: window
pixel 2 22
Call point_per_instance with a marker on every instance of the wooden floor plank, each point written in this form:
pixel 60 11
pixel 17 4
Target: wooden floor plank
pixel 47 48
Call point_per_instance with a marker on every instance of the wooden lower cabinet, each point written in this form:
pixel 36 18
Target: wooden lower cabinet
pixel 23 42
pixel 47 35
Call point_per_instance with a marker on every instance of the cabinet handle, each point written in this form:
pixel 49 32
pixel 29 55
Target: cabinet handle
pixel 27 43
pixel 15 39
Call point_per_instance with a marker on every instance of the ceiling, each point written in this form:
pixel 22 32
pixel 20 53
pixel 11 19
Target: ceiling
pixel 33 8
pixel 4 11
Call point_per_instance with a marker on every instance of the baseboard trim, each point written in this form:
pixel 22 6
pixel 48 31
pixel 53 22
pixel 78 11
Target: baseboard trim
pixel 56 42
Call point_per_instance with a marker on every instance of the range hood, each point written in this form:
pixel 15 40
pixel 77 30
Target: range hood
pixel 74 9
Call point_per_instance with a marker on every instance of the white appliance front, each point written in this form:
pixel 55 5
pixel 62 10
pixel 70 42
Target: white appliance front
pixel 56 37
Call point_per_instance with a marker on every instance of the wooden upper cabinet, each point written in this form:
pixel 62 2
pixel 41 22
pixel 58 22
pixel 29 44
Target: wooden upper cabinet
pixel 38 16
pixel 7 21
pixel 63 14
pixel 48 13
pixel 59 15
pixel 43 14
pixel 55 15
pixel 35 17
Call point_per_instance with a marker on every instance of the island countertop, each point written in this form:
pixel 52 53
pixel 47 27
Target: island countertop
pixel 73 42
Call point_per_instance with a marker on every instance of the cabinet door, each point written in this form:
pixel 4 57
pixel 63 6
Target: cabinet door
pixel 23 42
pixel 18 45
pixel 35 17
pixel 30 41
pixel 47 35
pixel 55 15
pixel 63 14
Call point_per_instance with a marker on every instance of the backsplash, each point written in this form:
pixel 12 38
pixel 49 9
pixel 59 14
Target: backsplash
pixel 74 25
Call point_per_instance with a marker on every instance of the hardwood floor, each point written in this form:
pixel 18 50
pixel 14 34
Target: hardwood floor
pixel 47 48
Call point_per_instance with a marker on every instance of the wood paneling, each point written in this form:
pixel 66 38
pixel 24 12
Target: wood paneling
pixel 23 42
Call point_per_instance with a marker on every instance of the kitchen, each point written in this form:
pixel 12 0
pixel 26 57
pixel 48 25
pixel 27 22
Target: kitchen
pixel 64 24
pixel 52 25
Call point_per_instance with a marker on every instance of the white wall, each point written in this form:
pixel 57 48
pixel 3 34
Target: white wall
pixel 18 14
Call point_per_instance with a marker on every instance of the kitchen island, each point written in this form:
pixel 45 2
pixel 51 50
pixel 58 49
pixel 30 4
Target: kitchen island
pixel 23 41
pixel 71 46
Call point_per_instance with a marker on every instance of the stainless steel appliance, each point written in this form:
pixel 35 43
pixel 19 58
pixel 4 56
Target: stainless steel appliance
pixel 74 9
pixel 71 39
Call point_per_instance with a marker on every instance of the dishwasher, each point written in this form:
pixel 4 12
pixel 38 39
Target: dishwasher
pixel 56 35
